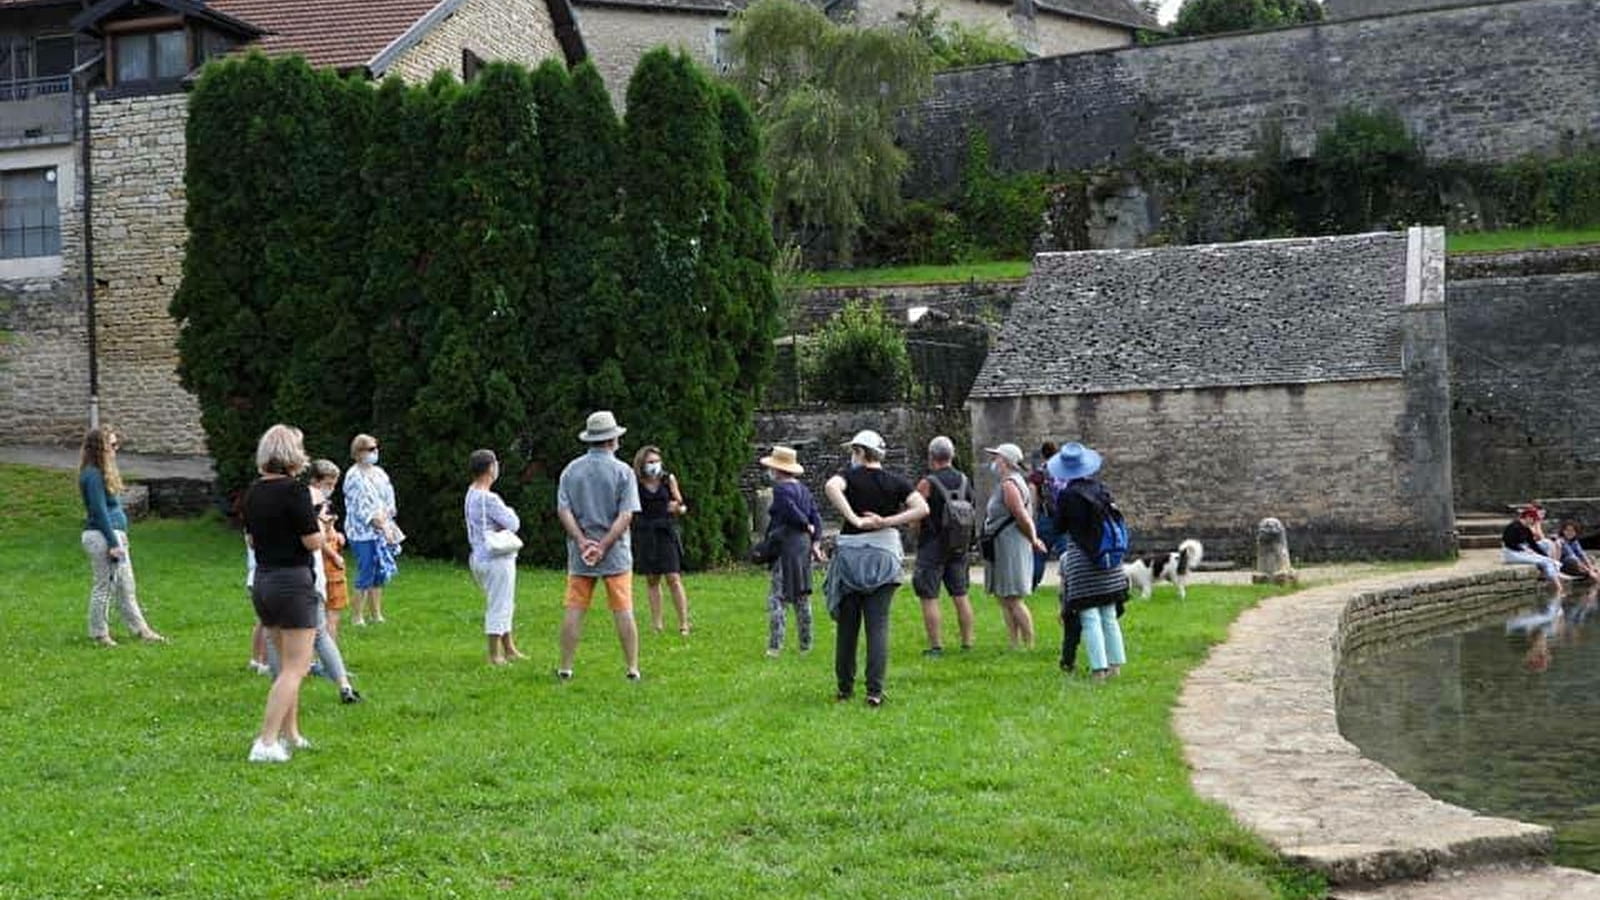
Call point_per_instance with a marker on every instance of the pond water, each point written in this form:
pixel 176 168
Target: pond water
pixel 1504 719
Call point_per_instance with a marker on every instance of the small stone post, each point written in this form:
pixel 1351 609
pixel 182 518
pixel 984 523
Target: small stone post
pixel 1272 554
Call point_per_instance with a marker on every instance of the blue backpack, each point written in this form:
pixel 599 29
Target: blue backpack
pixel 1113 546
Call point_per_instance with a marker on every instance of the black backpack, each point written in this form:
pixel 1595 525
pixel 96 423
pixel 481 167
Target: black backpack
pixel 959 518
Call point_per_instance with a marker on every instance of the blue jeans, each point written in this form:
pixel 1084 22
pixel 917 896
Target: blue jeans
pixel 1102 637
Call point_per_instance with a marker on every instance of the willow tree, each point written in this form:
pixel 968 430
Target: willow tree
pixel 826 95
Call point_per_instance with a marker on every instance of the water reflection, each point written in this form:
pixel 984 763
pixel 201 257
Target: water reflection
pixel 1504 719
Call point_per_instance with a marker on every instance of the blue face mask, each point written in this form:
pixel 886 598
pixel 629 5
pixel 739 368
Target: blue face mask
pixel 372 458
pixel 994 468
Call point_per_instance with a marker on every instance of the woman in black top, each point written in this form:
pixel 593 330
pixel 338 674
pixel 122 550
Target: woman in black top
pixel 657 544
pixel 282 526
pixel 866 566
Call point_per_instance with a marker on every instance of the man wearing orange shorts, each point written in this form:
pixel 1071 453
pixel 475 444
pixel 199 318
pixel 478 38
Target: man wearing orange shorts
pixel 595 500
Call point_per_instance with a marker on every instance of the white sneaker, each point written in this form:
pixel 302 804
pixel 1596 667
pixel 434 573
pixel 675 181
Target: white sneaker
pixel 268 753
pixel 299 743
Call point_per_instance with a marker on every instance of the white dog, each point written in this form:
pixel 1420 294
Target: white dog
pixel 1174 567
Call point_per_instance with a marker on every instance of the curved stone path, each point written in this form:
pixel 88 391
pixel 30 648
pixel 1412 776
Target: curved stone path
pixel 1260 732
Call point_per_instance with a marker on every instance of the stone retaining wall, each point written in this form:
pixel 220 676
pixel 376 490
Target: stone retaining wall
pixel 1259 725
pixel 1487 82
pixel 1383 620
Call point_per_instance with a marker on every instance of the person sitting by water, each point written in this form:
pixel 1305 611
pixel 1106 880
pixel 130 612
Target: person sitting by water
pixel 1519 545
pixel 1574 561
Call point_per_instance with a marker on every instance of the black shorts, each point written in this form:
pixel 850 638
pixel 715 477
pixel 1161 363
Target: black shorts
pixel 285 598
pixel 934 568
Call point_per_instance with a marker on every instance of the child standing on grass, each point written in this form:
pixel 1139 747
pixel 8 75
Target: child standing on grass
pixel 324 475
pixel 794 519
pixel 325 478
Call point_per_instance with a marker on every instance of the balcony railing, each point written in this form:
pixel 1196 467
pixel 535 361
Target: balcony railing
pixel 28 88
pixel 36 110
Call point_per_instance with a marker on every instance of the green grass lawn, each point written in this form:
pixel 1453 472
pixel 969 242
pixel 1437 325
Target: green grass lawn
pixel 722 774
pixel 1519 239
pixel 951 274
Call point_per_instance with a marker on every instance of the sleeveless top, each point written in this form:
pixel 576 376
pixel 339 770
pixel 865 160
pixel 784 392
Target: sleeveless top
pixel 653 503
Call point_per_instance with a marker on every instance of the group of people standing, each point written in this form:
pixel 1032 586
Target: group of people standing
pixel 620 519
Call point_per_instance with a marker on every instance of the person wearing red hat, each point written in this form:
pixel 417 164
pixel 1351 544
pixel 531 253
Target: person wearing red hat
pixel 1520 545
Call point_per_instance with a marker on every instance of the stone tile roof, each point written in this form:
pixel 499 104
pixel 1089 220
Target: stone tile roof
pixel 1115 12
pixel 344 34
pixel 719 7
pixel 1264 312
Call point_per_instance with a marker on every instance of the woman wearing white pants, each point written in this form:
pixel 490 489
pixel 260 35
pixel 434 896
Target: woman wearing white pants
pixel 105 540
pixel 496 573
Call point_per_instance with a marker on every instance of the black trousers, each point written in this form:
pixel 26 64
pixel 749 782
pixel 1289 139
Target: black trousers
pixel 871 608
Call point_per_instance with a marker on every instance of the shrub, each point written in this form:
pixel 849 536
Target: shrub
pixel 859 356
pixel 1002 214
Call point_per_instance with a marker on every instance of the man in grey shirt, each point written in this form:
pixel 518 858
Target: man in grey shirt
pixel 595 500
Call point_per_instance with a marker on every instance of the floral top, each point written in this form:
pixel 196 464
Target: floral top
pixel 367 495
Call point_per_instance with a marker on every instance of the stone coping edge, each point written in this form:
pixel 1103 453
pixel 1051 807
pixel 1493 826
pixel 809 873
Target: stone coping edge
pixel 1260 730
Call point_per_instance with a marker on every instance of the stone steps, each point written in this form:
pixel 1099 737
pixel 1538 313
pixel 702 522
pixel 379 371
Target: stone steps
pixel 1480 530
pixel 1503 883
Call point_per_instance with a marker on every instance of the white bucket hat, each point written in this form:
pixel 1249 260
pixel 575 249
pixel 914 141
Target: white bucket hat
pixel 601 427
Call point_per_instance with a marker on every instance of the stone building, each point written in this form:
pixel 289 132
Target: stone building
pixel 1041 27
pixel 1305 379
pixel 618 32
pixel 93 111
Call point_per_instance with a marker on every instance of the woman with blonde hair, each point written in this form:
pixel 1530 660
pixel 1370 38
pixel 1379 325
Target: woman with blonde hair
pixel 369 512
pixel 282 526
pixel 657 543
pixel 105 539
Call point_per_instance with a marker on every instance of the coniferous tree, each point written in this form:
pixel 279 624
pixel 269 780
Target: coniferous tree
pixel 575 324
pixel 753 319
pixel 235 304
pixel 475 376
pixel 482 282
pixel 324 386
pixel 674 219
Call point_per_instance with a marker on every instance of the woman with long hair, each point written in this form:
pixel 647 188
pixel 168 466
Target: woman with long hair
pixel 105 539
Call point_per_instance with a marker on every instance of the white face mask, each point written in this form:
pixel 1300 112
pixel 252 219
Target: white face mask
pixel 652 470
pixel 371 458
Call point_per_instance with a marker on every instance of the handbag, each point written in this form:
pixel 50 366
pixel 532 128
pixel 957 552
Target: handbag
pixel 987 540
pixel 768 548
pixel 501 542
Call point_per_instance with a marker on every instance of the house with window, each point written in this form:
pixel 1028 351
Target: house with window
pixel 93 109
pixel 618 32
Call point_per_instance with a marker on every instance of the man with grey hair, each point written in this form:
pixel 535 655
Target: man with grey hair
pixel 941 554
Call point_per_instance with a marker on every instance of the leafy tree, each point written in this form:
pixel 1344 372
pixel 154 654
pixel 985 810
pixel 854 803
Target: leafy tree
pixel 955 45
pixel 826 96
pixel 1199 17
pixel 859 356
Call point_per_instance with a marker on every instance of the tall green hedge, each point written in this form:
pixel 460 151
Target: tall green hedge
pixel 452 266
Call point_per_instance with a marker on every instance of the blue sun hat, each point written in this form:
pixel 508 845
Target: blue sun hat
pixel 1073 461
